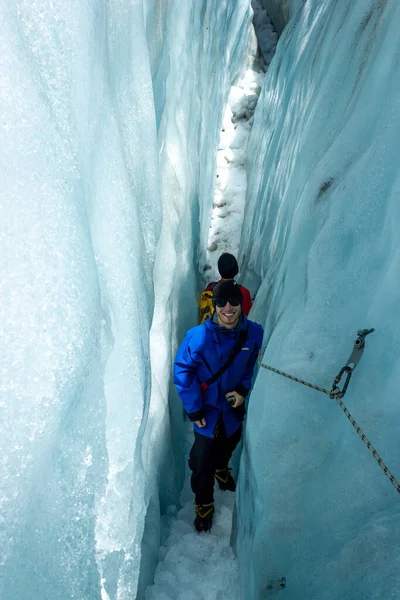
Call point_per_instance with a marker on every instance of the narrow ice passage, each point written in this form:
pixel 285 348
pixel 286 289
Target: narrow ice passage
pixel 110 146
pixel 203 566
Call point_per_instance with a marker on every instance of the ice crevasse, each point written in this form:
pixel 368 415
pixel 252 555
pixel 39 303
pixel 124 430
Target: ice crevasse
pixel 110 120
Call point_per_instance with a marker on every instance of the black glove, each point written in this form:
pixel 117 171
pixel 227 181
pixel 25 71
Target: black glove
pixel 197 416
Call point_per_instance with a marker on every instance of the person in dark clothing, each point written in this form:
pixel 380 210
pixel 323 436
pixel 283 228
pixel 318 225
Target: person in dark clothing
pixel 216 407
pixel 228 269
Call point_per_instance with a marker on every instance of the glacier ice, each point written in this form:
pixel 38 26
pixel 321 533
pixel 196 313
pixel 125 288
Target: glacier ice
pixel 319 245
pixel 226 220
pixel 281 11
pixel 103 181
pixel 111 114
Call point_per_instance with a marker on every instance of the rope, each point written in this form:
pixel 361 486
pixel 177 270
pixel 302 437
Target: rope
pixel 346 411
pixel 370 447
pixel 310 385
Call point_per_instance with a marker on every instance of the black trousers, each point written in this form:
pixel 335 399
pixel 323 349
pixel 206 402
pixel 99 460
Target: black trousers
pixel 207 455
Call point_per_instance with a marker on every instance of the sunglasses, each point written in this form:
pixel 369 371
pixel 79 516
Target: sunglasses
pixel 221 302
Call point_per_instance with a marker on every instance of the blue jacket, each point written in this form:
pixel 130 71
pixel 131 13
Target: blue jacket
pixel 204 350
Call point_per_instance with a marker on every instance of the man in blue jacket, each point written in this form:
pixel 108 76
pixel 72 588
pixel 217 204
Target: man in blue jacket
pixel 216 407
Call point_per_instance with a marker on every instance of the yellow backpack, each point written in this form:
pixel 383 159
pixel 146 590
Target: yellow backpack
pixel 206 305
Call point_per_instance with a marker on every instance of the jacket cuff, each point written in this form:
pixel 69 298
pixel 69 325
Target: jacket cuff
pixel 197 416
pixel 242 390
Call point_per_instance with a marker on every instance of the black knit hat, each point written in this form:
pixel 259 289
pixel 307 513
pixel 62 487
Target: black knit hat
pixel 227 266
pixel 227 289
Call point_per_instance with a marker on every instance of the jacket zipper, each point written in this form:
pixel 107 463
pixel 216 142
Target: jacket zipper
pixel 216 428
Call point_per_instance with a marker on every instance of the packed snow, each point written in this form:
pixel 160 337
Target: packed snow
pixel 196 566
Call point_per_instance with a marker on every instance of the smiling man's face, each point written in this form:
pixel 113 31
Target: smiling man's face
pixel 228 315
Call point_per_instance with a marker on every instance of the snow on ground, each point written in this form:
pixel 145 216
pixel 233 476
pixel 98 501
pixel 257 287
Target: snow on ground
pixel 196 566
pixel 231 181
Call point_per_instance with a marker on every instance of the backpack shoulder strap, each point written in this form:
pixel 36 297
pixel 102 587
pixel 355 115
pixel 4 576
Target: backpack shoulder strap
pixel 239 343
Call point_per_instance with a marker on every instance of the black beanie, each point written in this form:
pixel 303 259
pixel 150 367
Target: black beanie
pixel 227 289
pixel 227 266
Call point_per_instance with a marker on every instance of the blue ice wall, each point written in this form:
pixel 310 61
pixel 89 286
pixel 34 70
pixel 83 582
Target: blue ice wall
pixel 320 247
pixel 110 113
pixel 281 11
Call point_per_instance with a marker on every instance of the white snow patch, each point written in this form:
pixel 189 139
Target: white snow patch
pixel 196 566
pixel 231 181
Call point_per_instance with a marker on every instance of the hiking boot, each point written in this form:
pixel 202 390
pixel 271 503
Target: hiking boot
pixel 225 479
pixel 204 516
